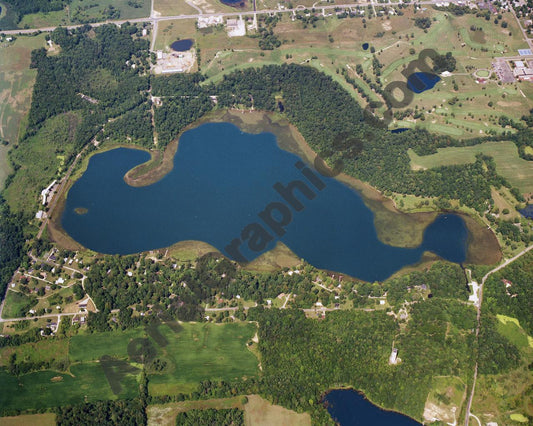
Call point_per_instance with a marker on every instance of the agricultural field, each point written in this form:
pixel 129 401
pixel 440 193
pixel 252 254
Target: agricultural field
pixel 257 411
pixel 91 347
pixel 203 351
pixel 517 171
pixel 45 419
pixel 16 84
pixel 42 389
pixel 80 11
pixel 42 351
pixel 106 365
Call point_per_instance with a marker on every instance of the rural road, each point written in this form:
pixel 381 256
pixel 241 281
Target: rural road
pixel 156 19
pixel 487 275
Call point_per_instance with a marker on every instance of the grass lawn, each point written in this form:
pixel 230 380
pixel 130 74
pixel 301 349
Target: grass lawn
pixel 91 347
pixel 17 304
pixel 204 351
pixel 510 328
pixel 517 171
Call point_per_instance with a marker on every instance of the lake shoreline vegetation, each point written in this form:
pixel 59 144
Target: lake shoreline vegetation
pixel 299 352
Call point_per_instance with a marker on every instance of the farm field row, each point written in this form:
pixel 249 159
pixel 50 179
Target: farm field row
pixel 107 365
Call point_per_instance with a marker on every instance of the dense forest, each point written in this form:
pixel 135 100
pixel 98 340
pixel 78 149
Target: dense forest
pixel 104 69
pixel 109 413
pixel 323 111
pixel 301 357
pixel 509 292
pixel 11 244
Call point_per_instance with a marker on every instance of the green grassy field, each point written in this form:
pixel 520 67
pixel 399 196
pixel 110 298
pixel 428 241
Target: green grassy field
pixel 87 382
pixel 103 366
pixel 16 84
pixel 80 11
pixel 517 171
pixel 204 351
pixel 17 305
pixel 45 350
pixel 90 347
pixel 40 157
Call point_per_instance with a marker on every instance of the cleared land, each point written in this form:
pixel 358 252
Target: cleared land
pixel 260 412
pixel 257 411
pixel 517 171
pixel 16 84
pixel 46 419
pixel 203 351
pixel 80 11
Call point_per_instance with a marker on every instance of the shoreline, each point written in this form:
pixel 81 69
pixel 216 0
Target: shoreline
pixel 364 395
pixel 393 227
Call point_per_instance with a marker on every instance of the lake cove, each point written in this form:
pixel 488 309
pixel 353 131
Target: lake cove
pixel 350 408
pixel 242 194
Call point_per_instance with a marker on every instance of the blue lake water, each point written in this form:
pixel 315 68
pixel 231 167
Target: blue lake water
pixel 182 45
pixel 350 408
pixel 222 182
pixel 419 82
pixel 527 211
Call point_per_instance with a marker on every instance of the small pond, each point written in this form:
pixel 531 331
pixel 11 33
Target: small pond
pixel 182 45
pixel 419 82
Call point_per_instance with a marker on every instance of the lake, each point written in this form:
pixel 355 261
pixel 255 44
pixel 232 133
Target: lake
pixel 350 408
pixel 242 194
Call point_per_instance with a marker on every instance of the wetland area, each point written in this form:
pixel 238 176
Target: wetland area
pixel 230 185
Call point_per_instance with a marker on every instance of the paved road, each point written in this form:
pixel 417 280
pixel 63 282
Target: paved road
pixel 156 19
pixel 487 275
